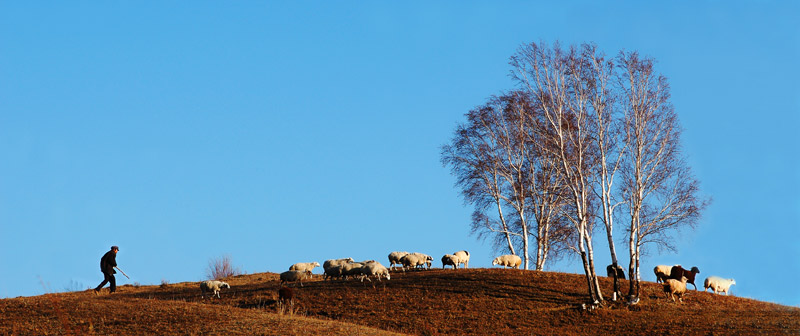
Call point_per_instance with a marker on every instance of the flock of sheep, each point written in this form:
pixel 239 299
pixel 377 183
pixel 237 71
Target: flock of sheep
pixel 674 278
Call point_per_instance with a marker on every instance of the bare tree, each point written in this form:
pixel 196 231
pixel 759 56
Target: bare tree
pixel 496 163
pixel 597 81
pixel 554 77
pixel 661 193
pixel 474 159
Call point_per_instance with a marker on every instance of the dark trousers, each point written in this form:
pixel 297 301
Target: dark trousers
pixel 109 277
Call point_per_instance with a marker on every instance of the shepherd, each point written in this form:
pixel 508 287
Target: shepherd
pixel 107 264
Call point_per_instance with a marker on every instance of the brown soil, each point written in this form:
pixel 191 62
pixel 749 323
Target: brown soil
pixel 473 301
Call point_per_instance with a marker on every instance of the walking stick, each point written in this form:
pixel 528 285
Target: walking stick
pixel 123 273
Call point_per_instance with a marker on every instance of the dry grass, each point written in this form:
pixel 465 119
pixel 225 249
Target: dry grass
pixel 474 301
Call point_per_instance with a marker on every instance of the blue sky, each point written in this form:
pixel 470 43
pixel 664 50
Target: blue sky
pixel 280 132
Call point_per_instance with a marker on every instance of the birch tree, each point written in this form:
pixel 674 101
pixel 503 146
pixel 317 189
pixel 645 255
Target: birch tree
pixel 552 77
pixel 661 193
pixel 497 164
pixel 474 160
pixel 596 83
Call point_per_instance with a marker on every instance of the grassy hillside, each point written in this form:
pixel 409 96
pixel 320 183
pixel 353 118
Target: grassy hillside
pixel 474 301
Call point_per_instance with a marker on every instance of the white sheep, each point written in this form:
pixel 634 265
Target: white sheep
pixel 718 284
pixel 352 269
pixel 335 262
pixel 394 258
pixel 508 260
pixel 374 269
pixel 449 259
pixel 662 272
pixel 428 260
pixel 213 286
pixel 293 276
pixel 678 288
pixel 305 267
pixel 463 258
pixel 412 260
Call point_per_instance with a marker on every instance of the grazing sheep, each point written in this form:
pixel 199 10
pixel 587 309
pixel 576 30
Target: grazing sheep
pixel 718 284
pixel 305 267
pixel 293 276
pixel 412 260
pixel 428 260
pixel 620 271
pixel 449 259
pixel 508 260
pixel 285 299
pixel 678 272
pixel 352 269
pixel 463 258
pixel 662 272
pixel 394 258
pixel 333 272
pixel 374 269
pixel 334 262
pixel 213 286
pixel 678 288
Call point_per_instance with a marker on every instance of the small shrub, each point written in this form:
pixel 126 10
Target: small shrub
pixel 222 267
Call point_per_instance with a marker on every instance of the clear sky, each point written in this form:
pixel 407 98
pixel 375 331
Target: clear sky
pixel 281 132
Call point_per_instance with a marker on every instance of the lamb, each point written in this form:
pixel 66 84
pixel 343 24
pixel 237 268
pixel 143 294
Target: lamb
pixel 662 272
pixel 334 262
pixel 672 286
pixel 620 271
pixel 213 286
pixel 508 260
pixel 718 284
pixel 305 267
pixel 394 258
pixel 449 259
pixel 293 276
pixel 374 269
pixel 678 272
pixel 463 258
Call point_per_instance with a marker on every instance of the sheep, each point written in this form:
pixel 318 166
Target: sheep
pixel 718 284
pixel 374 269
pixel 678 272
pixel 213 286
pixel 305 267
pixel 333 272
pixel 334 262
pixel 620 271
pixel 412 260
pixel 428 260
pixel 293 276
pixel 449 259
pixel 394 258
pixel 352 269
pixel 672 286
pixel 662 272
pixel 285 299
pixel 508 260
pixel 463 258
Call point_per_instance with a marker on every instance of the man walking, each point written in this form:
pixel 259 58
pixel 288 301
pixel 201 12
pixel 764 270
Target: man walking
pixel 107 264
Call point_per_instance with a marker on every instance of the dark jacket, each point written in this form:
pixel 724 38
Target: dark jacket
pixel 107 262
